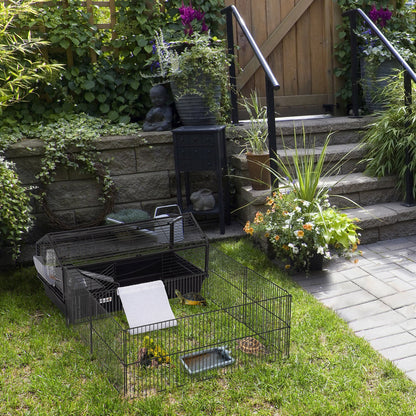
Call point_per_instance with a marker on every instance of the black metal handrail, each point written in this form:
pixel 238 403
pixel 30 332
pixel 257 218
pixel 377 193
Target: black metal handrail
pixel 409 75
pixel 271 82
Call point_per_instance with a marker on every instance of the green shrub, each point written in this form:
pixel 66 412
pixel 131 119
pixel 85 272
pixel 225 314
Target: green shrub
pixel 112 87
pixel 15 216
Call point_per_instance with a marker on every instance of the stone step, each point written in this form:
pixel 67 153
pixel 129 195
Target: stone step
pixel 384 221
pixel 381 221
pixel 342 130
pixel 374 201
pixel 360 196
pixel 340 158
pixel 346 191
pixel 353 189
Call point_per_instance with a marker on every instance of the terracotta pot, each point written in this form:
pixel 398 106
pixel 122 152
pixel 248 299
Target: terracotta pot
pixel 259 174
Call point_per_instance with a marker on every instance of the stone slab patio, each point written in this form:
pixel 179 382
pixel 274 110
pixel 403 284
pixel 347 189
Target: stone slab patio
pixel 376 297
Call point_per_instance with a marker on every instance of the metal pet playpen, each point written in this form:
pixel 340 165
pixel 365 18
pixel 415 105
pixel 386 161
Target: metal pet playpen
pixel 118 286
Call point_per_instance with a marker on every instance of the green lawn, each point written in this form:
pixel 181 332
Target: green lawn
pixel 46 370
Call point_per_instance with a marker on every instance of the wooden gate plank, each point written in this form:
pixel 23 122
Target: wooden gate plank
pixel 276 37
pixel 289 52
pixel 258 20
pixel 304 44
pixel 274 17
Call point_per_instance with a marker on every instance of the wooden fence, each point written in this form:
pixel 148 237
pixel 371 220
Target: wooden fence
pixel 297 38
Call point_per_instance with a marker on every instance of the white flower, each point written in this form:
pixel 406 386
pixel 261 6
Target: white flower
pixel 320 250
pixel 306 203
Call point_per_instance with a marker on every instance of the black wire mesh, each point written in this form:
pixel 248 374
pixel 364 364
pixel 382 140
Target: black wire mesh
pixel 246 319
pixel 103 258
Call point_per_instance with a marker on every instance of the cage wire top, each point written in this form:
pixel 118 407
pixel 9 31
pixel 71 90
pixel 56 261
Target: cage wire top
pixel 89 245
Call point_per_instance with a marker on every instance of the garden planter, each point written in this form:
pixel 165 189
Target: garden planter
pixel 194 109
pixel 316 263
pixel 373 83
pixel 258 171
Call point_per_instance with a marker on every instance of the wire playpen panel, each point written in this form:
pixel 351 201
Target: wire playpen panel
pixel 246 319
pixel 159 307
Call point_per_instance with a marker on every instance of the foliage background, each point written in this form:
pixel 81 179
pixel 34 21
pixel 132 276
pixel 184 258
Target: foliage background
pixel 112 86
pixel 400 27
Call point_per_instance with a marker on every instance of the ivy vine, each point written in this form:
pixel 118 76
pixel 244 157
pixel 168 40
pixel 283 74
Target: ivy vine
pixel 15 212
pixel 71 142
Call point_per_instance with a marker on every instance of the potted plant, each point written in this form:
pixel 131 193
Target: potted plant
pixel 256 142
pixel 396 21
pixel 196 66
pixel 299 224
pixel 378 66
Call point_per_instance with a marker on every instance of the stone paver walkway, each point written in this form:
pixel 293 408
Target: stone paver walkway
pixel 376 297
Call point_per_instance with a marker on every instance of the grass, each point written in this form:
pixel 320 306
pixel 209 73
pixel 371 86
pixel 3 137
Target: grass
pixel 46 370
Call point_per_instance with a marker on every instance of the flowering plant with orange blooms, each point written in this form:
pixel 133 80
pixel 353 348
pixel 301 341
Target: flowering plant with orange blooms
pixel 298 229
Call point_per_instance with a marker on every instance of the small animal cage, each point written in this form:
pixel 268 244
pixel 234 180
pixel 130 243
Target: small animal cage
pixel 221 315
pixel 102 258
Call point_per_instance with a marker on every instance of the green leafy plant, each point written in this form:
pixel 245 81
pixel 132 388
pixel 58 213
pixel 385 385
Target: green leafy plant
pixel 300 222
pixel 22 65
pixel 21 68
pixel 110 84
pixel 298 230
pixel 196 64
pixel 15 210
pixel 152 354
pixel 256 138
pixel 400 30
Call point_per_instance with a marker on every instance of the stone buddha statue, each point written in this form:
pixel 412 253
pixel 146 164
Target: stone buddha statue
pixel 159 117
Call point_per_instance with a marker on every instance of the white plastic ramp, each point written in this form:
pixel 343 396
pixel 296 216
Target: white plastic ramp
pixel 147 307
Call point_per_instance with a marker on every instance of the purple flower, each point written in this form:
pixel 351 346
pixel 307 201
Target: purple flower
pixel 188 15
pixel 380 16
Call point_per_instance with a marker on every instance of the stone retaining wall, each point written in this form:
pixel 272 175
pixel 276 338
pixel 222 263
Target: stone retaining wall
pixel 142 167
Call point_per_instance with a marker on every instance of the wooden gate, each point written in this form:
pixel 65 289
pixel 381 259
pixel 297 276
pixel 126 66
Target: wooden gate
pixel 297 38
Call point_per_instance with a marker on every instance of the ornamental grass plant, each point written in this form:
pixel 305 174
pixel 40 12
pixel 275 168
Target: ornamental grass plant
pixel 256 138
pixel 390 136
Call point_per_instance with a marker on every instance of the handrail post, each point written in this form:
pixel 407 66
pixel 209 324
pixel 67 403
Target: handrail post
pixel 232 71
pixel 271 83
pixel 354 64
pixel 271 126
pixel 409 200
